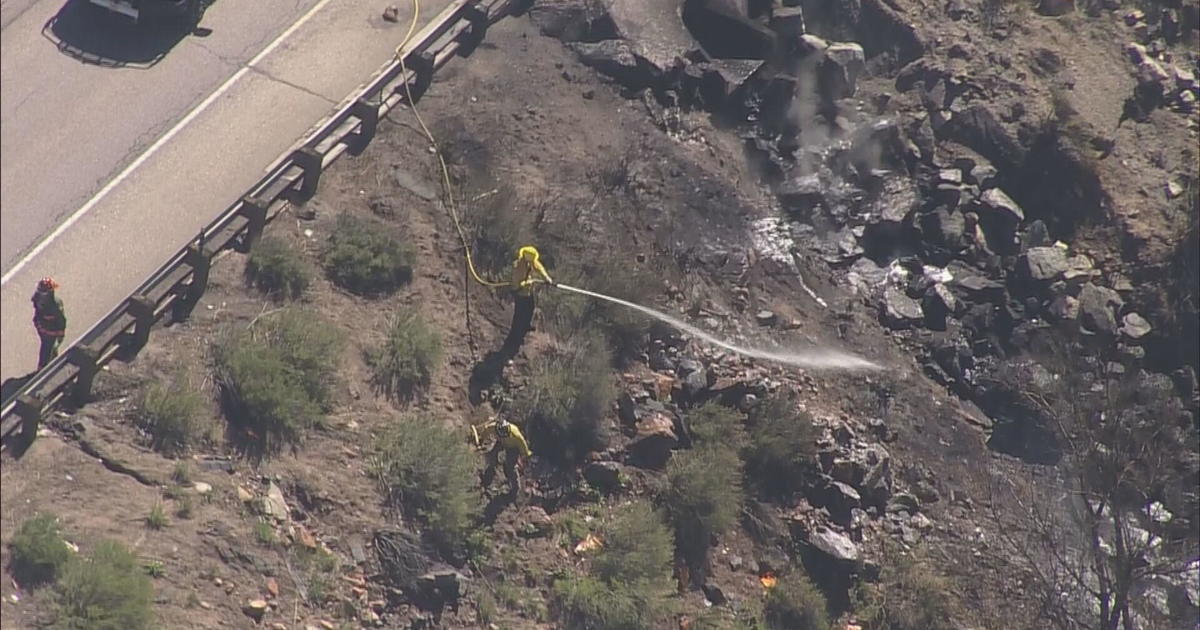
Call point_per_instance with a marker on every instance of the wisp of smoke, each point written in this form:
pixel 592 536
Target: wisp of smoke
pixel 811 359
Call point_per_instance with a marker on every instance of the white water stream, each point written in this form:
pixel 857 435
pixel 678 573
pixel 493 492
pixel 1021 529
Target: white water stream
pixel 821 359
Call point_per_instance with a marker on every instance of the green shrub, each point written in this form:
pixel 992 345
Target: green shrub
pixel 409 355
pixel 275 378
pixel 157 518
pixel 716 425
pixel 908 596
pixel 630 578
pixel 703 494
pixel 264 533
pixel 277 269
pixel 795 604
pixel 362 258
pixel 566 400
pixel 184 506
pixel 38 550
pixel 108 590
pixel 426 470
pixel 171 414
pixel 588 603
pixel 638 547
pixel 782 447
pixel 181 473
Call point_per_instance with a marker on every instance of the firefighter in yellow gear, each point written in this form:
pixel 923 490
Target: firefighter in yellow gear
pixel 525 274
pixel 511 442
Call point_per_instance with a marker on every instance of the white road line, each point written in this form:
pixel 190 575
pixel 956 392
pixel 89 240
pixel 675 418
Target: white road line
pixel 158 144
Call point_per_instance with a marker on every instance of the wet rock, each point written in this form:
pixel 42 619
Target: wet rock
pixel 1044 264
pixel 839 73
pixel 1135 326
pixel 802 195
pixel 944 227
pixel 605 476
pixel 899 310
pixel 1064 308
pixel 1097 306
pixel 651 447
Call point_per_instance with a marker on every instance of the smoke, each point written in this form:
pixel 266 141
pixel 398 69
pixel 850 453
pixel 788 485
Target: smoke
pixel 819 359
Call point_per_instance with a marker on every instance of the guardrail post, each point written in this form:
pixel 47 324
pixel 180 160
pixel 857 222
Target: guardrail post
pixel 308 159
pixel 477 15
pixel 29 409
pixel 199 258
pixel 422 67
pixel 255 211
pixel 142 309
pixel 368 114
pixel 85 358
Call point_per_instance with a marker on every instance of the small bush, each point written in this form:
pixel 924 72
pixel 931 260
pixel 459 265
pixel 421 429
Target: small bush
pixel 426 470
pixel 171 414
pixel 277 269
pixel 38 551
pixel 638 547
pixel 275 378
pixel 184 506
pixel 409 355
pixel 182 473
pixel 157 518
pixel 317 567
pixel 264 533
pixel 715 425
pixel 107 591
pixel 909 596
pixel 566 400
pixel 361 258
pixel 630 578
pixel 795 604
pixel 703 494
pixel 782 446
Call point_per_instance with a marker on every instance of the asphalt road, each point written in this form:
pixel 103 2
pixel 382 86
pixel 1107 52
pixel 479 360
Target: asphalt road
pixel 110 164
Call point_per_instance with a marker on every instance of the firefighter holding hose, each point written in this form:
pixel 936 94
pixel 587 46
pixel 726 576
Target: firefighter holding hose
pixel 526 272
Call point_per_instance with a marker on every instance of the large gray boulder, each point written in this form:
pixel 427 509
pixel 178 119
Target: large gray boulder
pixel 1044 264
pixel 899 310
pixel 1097 309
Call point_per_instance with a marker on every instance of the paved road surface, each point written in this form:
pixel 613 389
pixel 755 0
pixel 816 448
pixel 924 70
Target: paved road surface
pixel 168 143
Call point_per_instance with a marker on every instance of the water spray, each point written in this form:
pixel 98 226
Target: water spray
pixel 820 359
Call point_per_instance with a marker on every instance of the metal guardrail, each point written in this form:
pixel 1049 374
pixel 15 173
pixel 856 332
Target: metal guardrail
pixel 177 286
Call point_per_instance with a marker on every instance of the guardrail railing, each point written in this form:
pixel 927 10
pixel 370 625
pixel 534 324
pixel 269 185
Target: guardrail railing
pixel 176 287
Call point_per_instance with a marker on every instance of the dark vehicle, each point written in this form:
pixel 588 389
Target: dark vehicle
pixel 185 12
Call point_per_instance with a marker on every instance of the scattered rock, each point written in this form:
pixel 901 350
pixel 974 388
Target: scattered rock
pixel 1055 8
pixel 904 502
pixel 1044 264
pixel 391 14
pixel 305 537
pixel 614 58
pixel 202 488
pixel 899 310
pixel 272 587
pixel 1135 326
pixel 1064 308
pixel 604 476
pixel 273 505
pixel 536 523
pixel 244 495
pixel 837 547
pixel 255 609
pixel 651 447
pixel 765 318
pixel 714 594
pixel 1097 309
pixel 843 63
pixel 1000 203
